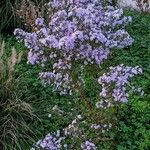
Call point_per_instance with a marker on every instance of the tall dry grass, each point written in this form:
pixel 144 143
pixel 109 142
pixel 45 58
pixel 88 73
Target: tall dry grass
pixel 15 113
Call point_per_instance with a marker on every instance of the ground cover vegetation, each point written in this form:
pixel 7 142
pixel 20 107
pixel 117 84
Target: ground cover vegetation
pixel 84 120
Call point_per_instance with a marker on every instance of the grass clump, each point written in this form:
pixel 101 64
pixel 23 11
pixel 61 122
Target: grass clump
pixel 16 114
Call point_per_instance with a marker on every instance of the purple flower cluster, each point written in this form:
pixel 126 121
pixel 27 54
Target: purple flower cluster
pixel 51 141
pixel 60 82
pixel 55 141
pixel 116 80
pixel 77 31
pixel 88 145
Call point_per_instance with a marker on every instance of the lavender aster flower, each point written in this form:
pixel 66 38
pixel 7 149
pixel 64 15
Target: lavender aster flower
pixel 51 141
pixel 118 77
pixel 87 145
pixel 80 31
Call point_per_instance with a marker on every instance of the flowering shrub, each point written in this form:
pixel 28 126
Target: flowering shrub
pixel 54 141
pixel 119 77
pixel 88 146
pixel 80 33
pixel 51 141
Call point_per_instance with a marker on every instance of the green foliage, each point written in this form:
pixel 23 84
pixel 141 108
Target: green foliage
pixel 133 129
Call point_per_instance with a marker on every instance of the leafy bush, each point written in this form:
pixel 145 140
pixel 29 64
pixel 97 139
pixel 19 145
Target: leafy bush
pixel 73 35
pixel 134 128
pixel 16 114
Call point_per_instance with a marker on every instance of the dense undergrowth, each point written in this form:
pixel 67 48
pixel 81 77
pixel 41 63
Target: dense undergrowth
pixel 133 129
